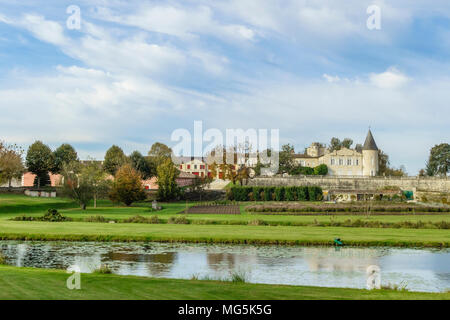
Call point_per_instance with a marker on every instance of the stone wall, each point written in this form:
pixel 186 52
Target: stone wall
pixel 357 183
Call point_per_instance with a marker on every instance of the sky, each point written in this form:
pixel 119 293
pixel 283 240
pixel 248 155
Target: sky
pixel 135 71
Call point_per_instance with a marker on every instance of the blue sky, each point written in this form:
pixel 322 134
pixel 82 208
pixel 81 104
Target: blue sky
pixel 138 70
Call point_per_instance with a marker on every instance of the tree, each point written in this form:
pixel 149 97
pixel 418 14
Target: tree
pixel 384 168
pixel 114 159
pixel 39 160
pixel 127 186
pixel 75 184
pixel 141 164
pixel 347 143
pixel 286 158
pixel 63 155
pixel 439 160
pixel 92 171
pixel 167 184
pixel 159 153
pixel 11 164
pixel 383 163
pixel 335 144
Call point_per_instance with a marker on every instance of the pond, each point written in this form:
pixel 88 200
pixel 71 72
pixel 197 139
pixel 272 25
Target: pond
pixel 417 269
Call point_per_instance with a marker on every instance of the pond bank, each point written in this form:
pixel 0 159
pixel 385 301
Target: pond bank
pixel 50 285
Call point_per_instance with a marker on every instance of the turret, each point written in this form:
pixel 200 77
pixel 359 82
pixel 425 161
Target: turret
pixel 370 156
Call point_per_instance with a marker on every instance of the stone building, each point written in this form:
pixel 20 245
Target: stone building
pixel 343 162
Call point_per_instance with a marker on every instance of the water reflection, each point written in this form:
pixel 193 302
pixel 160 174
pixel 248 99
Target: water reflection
pixel 419 269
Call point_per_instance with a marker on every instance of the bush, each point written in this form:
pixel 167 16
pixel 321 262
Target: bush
pixel 2 259
pixel 53 215
pixel 279 193
pixel 178 220
pixel 268 193
pixel 95 219
pixel 104 269
pixel 302 193
pixel 321 170
pixel 290 193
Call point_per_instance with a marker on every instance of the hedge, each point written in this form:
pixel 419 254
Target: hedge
pixel 302 193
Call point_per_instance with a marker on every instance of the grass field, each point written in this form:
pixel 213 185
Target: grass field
pixel 43 284
pixel 216 228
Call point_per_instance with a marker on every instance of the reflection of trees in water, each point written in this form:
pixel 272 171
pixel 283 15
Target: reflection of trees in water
pixel 217 261
pixel 161 263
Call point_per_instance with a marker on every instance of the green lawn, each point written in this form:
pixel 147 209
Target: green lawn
pixel 14 205
pixel 221 233
pixel 43 284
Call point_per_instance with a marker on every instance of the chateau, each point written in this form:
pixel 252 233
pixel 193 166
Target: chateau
pixel 344 162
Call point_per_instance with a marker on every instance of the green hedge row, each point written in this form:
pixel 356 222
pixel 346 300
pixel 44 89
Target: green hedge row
pixel 301 193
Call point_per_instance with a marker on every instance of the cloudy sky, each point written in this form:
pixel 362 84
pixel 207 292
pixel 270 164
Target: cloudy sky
pixel 137 70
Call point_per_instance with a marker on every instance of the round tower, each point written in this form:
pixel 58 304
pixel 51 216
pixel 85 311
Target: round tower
pixel 370 156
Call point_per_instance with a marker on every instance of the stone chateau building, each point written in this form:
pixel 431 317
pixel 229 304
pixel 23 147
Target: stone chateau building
pixel 343 162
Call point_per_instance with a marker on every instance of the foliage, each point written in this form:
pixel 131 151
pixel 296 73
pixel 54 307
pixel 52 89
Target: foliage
pixel 92 173
pixel 321 170
pixel 439 160
pixel 159 153
pixel 11 164
pixel 167 184
pixel 39 160
pixel 337 144
pixel 76 185
pixel 52 215
pixel 114 159
pixel 144 166
pixel 127 187
pixel 301 193
pixel 63 155
pixel 286 159
pixel 178 220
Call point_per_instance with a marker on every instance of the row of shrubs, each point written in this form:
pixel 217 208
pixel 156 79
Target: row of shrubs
pixel 302 193
pixel 52 215
pixel 347 208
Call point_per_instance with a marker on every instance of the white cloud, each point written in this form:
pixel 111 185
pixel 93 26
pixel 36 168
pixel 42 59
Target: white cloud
pixel 390 79
pixel 331 78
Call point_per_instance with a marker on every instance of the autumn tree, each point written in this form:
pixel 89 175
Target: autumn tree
pixel 39 160
pixel 127 186
pixel 62 155
pixel 167 184
pixel 11 164
pixel 114 159
pixel 439 160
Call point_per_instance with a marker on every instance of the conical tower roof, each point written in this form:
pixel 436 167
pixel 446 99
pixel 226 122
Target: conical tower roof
pixel 370 144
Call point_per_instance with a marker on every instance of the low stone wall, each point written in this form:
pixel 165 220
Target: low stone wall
pixel 357 183
pixel 40 194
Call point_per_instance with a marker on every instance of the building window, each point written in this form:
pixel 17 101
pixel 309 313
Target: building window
pixel 349 161
pixel 188 166
pixel 181 166
pixel 333 162
pixel 202 166
pixel 341 162
pixel 357 162
pixel 195 166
